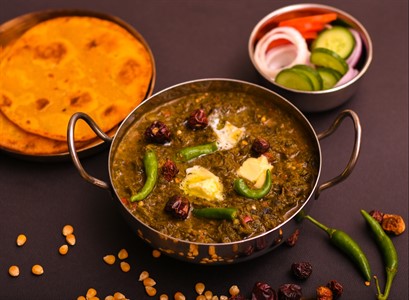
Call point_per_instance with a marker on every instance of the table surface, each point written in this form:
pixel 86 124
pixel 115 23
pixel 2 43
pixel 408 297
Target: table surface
pixel 205 39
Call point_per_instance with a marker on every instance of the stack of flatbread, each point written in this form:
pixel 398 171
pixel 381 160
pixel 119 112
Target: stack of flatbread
pixel 66 65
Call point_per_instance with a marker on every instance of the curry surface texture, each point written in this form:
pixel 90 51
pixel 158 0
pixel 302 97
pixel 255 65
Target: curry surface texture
pixel 292 154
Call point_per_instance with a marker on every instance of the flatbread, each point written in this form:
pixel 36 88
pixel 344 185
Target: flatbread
pixel 71 64
pixel 16 140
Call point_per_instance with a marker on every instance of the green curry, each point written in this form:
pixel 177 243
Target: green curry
pixel 211 180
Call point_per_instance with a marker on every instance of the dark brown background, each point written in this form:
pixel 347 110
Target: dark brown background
pixel 202 39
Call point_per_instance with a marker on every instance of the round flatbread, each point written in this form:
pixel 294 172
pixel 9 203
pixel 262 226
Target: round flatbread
pixel 73 64
pixel 16 140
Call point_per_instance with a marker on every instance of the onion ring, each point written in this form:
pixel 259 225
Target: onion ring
pixel 264 59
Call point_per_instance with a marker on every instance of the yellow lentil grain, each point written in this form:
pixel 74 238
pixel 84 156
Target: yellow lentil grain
pixel 125 267
pixel 109 259
pixel 156 253
pixel 143 275
pixel 199 288
pixel 93 298
pixel 14 271
pixel 122 254
pixel 215 297
pixel 91 293
pixel 119 296
pixel 151 291
pixel 21 240
pixel 163 297
pixel 208 295
pixel 234 290
pixel 201 297
pixel 37 270
pixel 70 238
pixel 109 297
pixel 140 203
pixel 223 297
pixel 63 249
pixel 81 298
pixel 179 296
pixel 67 229
pixel 149 282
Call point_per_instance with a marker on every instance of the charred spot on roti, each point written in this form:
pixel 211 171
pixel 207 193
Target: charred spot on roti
pixel 53 51
pixel 41 103
pixel 129 71
pixel 81 100
pixel 5 101
pixel 110 110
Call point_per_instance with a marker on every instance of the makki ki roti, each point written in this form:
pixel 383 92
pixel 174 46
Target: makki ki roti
pixel 70 64
pixel 14 139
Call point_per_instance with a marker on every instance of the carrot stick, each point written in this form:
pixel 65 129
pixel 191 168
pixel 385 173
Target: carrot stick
pixel 321 18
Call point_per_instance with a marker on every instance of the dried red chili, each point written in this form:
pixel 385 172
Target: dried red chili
pixel 197 119
pixel 169 170
pixel 178 206
pixel 301 270
pixel 336 288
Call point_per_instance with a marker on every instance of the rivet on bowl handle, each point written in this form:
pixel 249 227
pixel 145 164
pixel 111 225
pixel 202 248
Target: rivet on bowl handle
pixel 355 152
pixel 73 152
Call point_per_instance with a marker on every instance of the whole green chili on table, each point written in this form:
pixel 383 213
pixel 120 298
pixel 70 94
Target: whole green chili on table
pixel 241 187
pixel 189 153
pixel 150 163
pixel 227 213
pixel 346 244
pixel 389 253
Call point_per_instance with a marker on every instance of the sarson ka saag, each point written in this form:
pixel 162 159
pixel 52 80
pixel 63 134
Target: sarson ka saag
pixel 215 167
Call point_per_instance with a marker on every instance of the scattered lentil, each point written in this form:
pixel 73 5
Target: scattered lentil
pixel 125 267
pixel 14 271
pixel 109 259
pixel 234 290
pixel 163 297
pixel 37 270
pixel 21 240
pixel 143 275
pixel 151 291
pixel 156 253
pixel 201 297
pixel 199 288
pixel 208 295
pixel 118 296
pixel 91 293
pixel 149 282
pixel 67 229
pixel 63 249
pixel 179 296
pixel 109 297
pixel 81 298
pixel 70 238
pixel 123 254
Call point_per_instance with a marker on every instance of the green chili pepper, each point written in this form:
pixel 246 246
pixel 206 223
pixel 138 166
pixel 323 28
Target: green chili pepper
pixel 189 153
pixel 346 244
pixel 241 187
pixel 150 164
pixel 227 213
pixel 389 253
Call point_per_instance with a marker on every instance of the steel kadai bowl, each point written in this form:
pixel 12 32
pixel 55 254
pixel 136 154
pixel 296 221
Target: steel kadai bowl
pixel 214 253
pixel 318 100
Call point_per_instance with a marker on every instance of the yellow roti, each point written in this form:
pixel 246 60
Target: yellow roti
pixel 70 64
pixel 14 139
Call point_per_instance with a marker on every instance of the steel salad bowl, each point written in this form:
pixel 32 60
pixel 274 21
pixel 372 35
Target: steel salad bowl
pixel 313 101
pixel 214 253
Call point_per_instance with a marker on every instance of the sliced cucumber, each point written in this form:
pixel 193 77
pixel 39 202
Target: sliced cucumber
pixel 338 39
pixel 294 79
pixel 312 74
pixel 323 57
pixel 329 77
